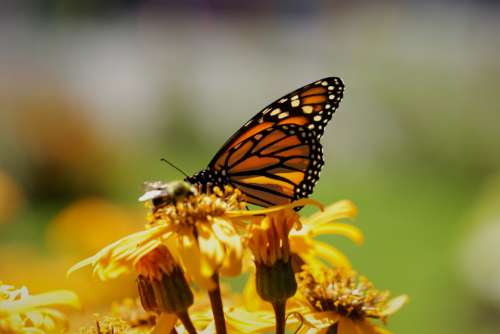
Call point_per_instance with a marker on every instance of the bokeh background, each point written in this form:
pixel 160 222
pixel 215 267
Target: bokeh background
pixel 94 93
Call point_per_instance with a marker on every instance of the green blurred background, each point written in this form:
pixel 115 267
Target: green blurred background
pixel 93 94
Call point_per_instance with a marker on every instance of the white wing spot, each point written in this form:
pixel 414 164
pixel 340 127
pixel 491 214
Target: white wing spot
pixel 317 118
pixel 310 126
pixel 307 109
pixel 330 87
pixel 295 103
pixel 283 115
pixel 327 106
pixel 331 96
pixel 283 100
pixel 275 111
pixel 324 83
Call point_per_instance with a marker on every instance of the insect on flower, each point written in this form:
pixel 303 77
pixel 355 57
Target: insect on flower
pixel 276 157
pixel 161 193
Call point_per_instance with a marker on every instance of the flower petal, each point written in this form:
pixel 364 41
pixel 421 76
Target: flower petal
pixel 346 230
pixel 338 210
pixel 394 305
pixel 225 232
pixel 211 250
pixel 330 254
pixel 190 255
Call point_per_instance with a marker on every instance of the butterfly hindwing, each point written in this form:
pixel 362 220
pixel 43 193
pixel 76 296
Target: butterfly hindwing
pixel 276 156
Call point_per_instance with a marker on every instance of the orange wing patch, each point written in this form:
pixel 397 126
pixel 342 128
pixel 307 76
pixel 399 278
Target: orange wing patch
pixel 314 91
pixel 298 120
pixel 314 99
pixel 251 132
pixel 269 139
pixel 239 152
pixel 253 163
pixel 281 145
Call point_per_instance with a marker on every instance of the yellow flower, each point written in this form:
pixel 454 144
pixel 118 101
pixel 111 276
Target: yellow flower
pixel 336 301
pixel 197 231
pixel 274 276
pixel 21 312
pixel 203 234
pixel 305 249
pixel 325 222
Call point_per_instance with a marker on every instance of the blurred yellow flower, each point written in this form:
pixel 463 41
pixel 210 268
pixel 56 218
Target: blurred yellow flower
pixel 337 301
pixel 21 312
pixel 74 228
pixel 30 267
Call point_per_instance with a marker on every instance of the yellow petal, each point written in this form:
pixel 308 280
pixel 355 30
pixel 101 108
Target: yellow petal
pixel 338 210
pixel 346 230
pixel 240 321
pixel 211 250
pixel 394 305
pixel 117 258
pixel 320 320
pixel 53 298
pixel 224 231
pixel 190 255
pixel 331 254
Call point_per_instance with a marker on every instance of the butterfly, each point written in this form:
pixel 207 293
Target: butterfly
pixel 276 157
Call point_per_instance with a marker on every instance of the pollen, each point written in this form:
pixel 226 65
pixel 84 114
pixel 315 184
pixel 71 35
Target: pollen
pixel 200 207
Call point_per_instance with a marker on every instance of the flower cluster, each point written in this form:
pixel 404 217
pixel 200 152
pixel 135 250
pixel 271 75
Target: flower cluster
pixel 193 238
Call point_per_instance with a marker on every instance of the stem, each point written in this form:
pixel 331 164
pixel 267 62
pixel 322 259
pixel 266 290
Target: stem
pixel 186 321
pixel 217 309
pixel 279 313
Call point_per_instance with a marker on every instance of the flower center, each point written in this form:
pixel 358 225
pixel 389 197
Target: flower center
pixel 340 291
pixel 201 207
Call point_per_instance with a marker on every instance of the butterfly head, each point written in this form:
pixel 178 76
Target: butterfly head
pixel 161 193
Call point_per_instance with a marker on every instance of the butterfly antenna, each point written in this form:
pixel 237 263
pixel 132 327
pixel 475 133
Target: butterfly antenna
pixel 174 166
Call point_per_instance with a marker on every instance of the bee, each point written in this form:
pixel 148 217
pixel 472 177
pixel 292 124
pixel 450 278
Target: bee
pixel 161 193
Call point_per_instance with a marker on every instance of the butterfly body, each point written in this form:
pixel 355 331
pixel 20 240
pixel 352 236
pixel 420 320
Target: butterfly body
pixel 276 157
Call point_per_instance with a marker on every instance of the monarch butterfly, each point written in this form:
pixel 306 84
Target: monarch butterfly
pixel 276 157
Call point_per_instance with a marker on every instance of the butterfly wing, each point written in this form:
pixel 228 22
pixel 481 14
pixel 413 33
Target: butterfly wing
pixel 275 166
pixel 276 156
